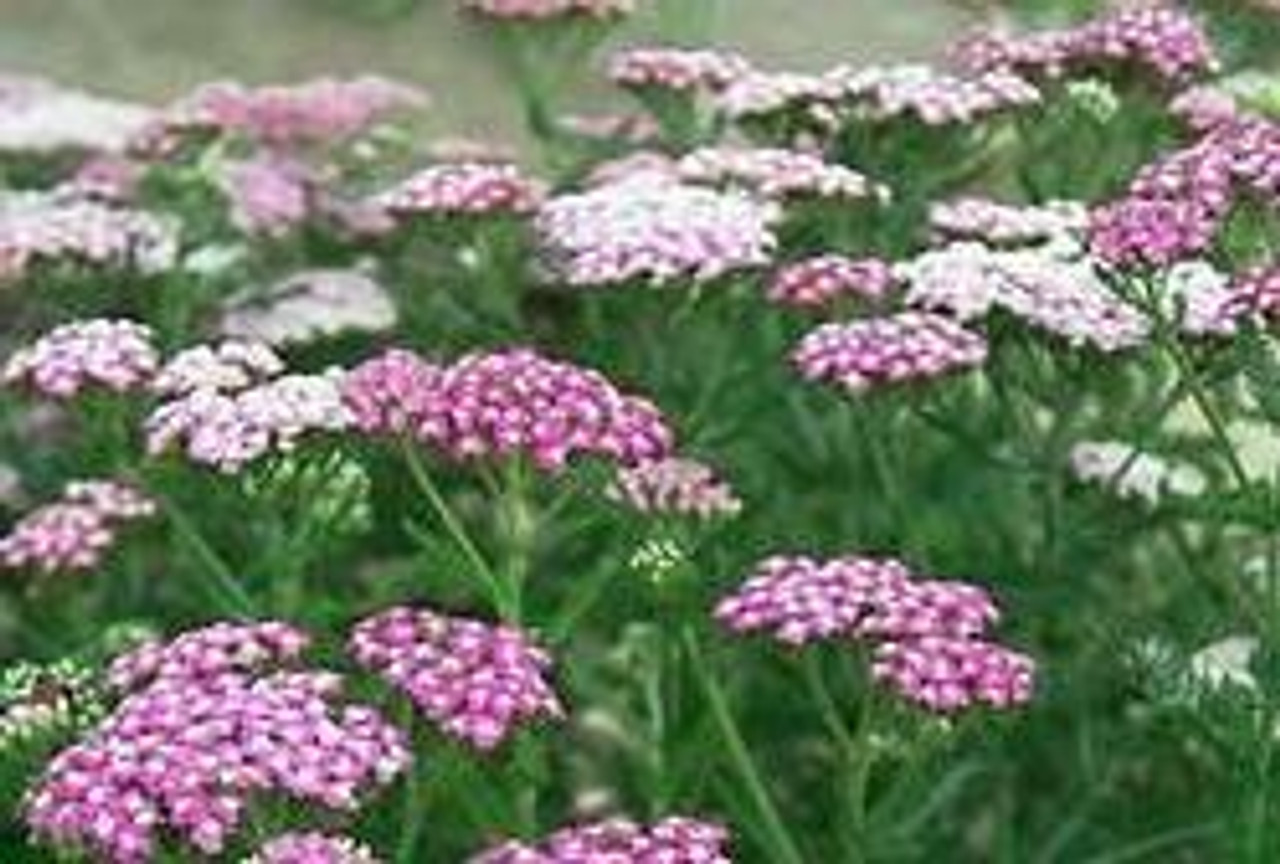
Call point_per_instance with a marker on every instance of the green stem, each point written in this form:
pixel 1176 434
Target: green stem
pixel 231 596
pixel 784 847
pixel 414 809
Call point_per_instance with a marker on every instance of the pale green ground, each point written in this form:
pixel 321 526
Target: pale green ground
pixel 156 48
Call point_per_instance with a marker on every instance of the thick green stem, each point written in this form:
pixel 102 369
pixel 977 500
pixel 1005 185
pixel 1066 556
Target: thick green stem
pixel 230 596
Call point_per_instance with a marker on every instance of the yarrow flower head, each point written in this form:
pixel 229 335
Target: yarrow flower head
pixel 677 840
pixel 506 402
pixel 310 306
pixel 269 194
pixel 823 280
pixel 312 847
pixel 872 352
pixel 463 189
pixel 1256 293
pixel 999 224
pixel 40 117
pixel 1130 473
pixel 209 651
pixel 930 96
pixel 648 228
pixel 225 367
pixel 548 10
pixel 928 633
pixel 776 173
pixel 75 532
pixel 95 354
pixel 678 70
pixel 476 681
pixel 812 100
pixel 675 485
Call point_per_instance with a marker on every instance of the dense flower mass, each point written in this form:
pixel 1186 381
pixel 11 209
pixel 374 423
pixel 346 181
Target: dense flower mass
pixel 762 95
pixel 999 224
pixel 543 10
pixel 1164 41
pixel 75 532
pixel 312 847
pixel 1256 292
pixel 908 346
pixel 97 354
pixel 825 279
pixel 775 173
pixel 209 651
pixel 650 229
pixel 38 116
pixel 224 367
pixel 927 633
pixel 188 754
pixel 53 227
pixel 675 840
pixel 463 189
pixel 478 682
pixel 268 195
pixel 931 96
pixel 681 70
pixel 310 306
pixel 677 486
pixel 505 402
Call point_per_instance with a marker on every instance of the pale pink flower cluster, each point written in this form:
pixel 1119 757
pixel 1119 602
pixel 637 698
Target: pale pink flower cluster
pixel 478 682
pixel 188 753
pixel 312 847
pixel 116 355
pixel 268 194
pixel 545 10
pixel 825 279
pixel 309 306
pixel 38 116
pixel 106 177
pixel 647 228
pixel 1055 287
pixel 75 532
pixel 464 189
pixel 1000 224
pixel 1165 41
pixel 759 95
pixel 676 840
pixel 928 633
pixel 506 402
pixel 675 485
pixel 322 111
pixel 931 96
pixel 55 227
pixel 680 70
pixel 775 173
pixel 224 367
pixel 873 352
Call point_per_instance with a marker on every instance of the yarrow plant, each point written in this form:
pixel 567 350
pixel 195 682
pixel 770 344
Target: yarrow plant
pixel 75 532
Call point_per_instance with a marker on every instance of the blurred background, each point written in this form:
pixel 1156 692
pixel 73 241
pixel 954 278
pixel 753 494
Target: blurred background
pixel 155 49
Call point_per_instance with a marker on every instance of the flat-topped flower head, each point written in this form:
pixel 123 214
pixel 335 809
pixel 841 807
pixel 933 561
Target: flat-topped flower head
pixel 820 281
pixel 761 96
pixel 647 228
pixel 502 403
pixel 40 117
pixel 463 189
pixel 115 355
pixel 309 306
pixel 776 173
pixel 931 96
pixel 873 352
pixel 269 195
pixel 208 652
pixel 945 674
pixel 676 840
pixel 477 682
pixel 998 224
pixel 75 532
pixel 679 70
pixel 224 367
pixel 1141 231
pixel 185 757
pixel 312 847
pixel 676 486
pixel 548 10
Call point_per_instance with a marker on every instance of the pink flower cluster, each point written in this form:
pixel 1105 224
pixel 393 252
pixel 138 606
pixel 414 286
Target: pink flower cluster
pixel 775 173
pixel 545 10
pixel 463 189
pixel 649 228
pixel 675 485
pixel 55 227
pixel 99 353
pixel 680 70
pixel 907 346
pixel 1168 43
pixel 269 194
pixel 506 402
pixel 676 840
pixel 312 847
pixel 1176 205
pixel 39 116
pixel 930 96
pixel 927 633
pixel 1256 293
pixel 1006 224
pixel 75 532
pixel 476 681
pixel 189 753
pixel 822 280
pixel 762 95
pixel 209 651
pixel 322 111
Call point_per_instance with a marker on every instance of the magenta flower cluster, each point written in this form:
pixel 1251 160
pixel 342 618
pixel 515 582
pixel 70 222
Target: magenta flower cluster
pixel 75 532
pixel 927 633
pixel 117 356
pixel 1256 293
pixel 209 651
pixel 1164 41
pixel 463 189
pixel 822 280
pixel 871 352
pixel 478 682
pixel 676 840
pixel 312 847
pixel 775 173
pixel 677 486
pixel 679 70
pixel 503 403
pixel 188 752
